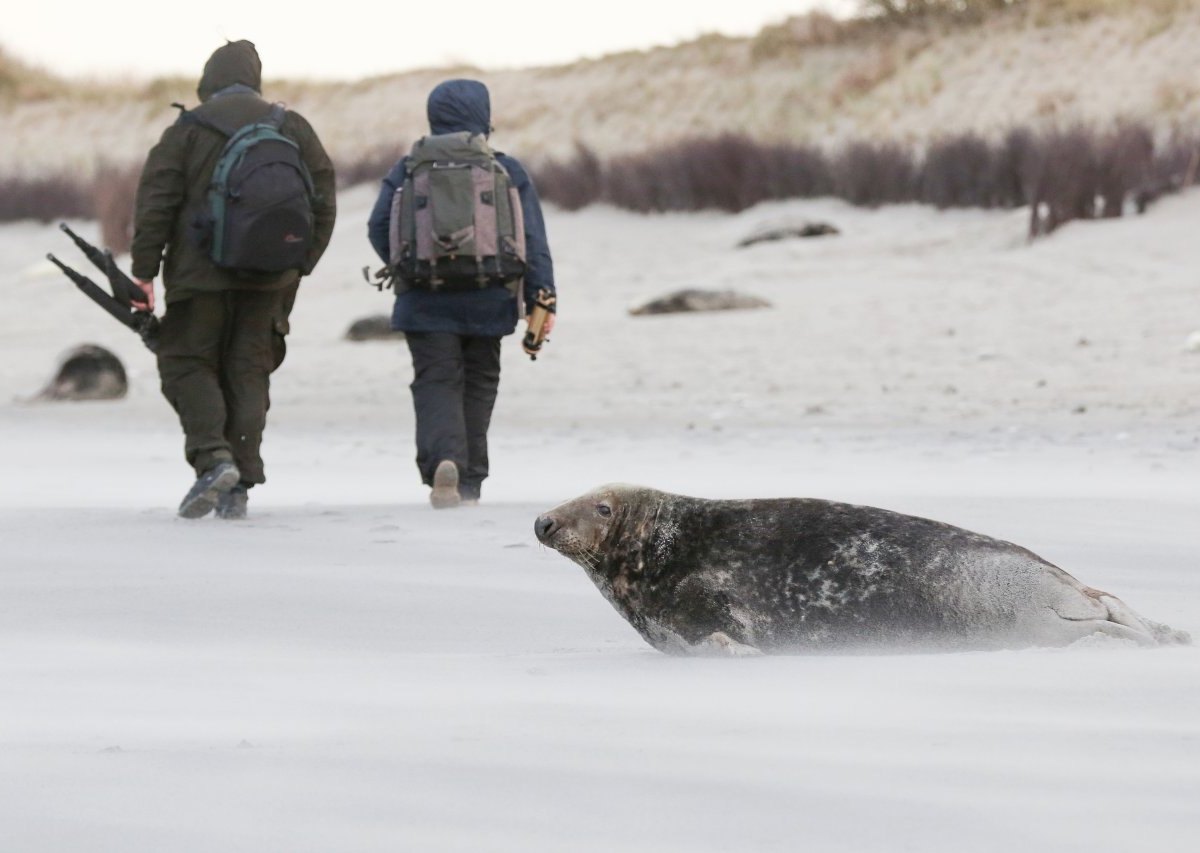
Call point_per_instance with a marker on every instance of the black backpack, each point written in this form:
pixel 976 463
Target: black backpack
pixel 258 214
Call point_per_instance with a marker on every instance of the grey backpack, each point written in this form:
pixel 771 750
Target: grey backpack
pixel 456 221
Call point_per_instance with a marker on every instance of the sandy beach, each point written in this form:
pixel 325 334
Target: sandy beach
pixel 349 670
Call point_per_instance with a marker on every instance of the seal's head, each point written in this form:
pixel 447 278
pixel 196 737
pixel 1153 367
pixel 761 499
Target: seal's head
pixel 579 528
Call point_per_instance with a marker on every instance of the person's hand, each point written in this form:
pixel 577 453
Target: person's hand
pixel 147 288
pixel 547 327
pixel 547 324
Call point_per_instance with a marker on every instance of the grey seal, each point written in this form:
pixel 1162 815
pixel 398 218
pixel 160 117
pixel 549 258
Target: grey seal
pixel 88 372
pixel 793 575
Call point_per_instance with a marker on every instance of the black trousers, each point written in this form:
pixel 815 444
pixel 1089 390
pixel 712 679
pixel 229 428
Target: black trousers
pixel 216 354
pixel 455 380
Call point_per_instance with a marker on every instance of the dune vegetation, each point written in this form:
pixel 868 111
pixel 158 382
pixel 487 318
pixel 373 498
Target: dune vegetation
pixel 949 102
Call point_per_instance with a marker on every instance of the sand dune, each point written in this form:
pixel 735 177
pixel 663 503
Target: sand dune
pixel 1133 61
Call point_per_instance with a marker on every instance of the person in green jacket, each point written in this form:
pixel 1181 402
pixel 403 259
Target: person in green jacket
pixel 223 332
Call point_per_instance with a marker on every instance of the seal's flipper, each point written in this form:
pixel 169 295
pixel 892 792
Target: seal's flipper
pixel 1082 630
pixel 721 643
pixel 1122 614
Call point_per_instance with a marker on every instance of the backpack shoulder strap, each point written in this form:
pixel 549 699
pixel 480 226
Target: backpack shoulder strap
pixel 496 155
pixel 276 116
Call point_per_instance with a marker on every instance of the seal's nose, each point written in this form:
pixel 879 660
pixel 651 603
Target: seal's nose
pixel 544 527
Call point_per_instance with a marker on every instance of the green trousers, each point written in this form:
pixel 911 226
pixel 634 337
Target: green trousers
pixel 216 354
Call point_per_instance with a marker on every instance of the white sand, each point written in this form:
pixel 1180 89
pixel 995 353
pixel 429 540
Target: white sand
pixel 351 671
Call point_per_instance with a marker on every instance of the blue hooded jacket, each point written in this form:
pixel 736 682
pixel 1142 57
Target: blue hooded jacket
pixel 455 106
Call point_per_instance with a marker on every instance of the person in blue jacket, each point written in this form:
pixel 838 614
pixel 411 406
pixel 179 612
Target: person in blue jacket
pixel 454 337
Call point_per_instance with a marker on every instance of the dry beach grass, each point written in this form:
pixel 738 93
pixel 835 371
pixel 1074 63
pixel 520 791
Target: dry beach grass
pixel 1048 62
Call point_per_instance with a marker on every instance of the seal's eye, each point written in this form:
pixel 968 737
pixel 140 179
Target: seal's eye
pixel 604 509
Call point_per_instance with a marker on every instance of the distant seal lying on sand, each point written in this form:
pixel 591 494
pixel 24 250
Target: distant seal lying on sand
pixel 88 372
pixel 684 301
pixel 698 576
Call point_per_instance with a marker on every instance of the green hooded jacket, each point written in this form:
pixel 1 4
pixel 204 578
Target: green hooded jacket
pixel 174 183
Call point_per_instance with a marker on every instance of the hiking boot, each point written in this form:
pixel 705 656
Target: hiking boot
pixel 445 486
pixel 231 505
pixel 206 491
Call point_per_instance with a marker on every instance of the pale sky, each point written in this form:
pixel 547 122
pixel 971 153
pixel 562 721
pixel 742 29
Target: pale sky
pixel 347 39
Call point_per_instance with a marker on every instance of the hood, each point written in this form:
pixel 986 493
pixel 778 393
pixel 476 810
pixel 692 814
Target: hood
pixel 232 63
pixel 458 105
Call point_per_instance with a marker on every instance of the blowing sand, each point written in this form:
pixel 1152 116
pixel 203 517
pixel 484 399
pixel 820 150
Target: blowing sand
pixel 351 671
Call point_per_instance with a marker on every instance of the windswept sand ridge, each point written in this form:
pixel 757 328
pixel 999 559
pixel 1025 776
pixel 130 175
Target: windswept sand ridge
pixel 910 84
